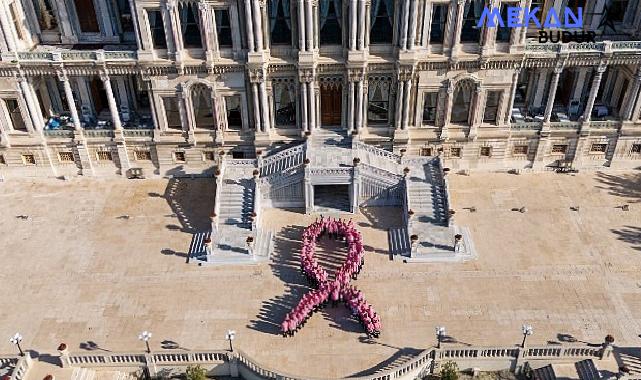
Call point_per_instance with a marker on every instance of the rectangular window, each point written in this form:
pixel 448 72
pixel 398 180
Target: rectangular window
pixel 426 152
pixel 471 16
pixel 491 107
pixel 179 156
pixel 520 150
pixel 190 25
pixel 223 28
pixel 28 159
pixel 330 22
pixel 382 22
pixel 157 28
pixel 104 155
pixel 142 155
pixel 598 148
pixel 559 148
pixel 439 18
pixel 636 148
pixel 173 112
pixel 234 117
pixel 16 116
pixel 486 151
pixel 86 12
pixel 455 152
pixel 378 102
pixel 429 108
pixel 65 156
pixel 616 10
pixel 503 32
pixel 45 14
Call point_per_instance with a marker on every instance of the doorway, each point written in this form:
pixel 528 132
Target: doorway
pixel 98 95
pixel 331 105
pixel 331 198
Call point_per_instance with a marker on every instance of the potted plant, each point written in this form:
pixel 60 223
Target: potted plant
pixel 306 162
pixel 253 215
pixel 609 339
pixel 458 237
pixel 403 150
pixel 406 170
pixel 355 132
pixel 356 161
pixel 446 170
pixel 217 171
pixel 221 153
pixel 414 238
pixel 256 173
pixel 410 213
pixel 308 133
pixel 452 212
pixel 213 215
pixel 62 347
pixel 48 377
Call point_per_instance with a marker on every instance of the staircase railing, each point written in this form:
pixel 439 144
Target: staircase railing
pixel 378 152
pixel 283 160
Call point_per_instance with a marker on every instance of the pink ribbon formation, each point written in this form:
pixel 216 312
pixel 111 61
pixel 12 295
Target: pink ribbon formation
pixel 335 290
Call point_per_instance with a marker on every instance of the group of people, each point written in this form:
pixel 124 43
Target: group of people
pixel 337 290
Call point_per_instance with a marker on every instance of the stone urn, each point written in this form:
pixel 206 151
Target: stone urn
pixel 356 161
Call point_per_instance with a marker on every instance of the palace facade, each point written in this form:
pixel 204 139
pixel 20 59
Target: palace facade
pixel 98 87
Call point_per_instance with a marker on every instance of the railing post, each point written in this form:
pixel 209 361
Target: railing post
pixel 232 359
pixel 150 364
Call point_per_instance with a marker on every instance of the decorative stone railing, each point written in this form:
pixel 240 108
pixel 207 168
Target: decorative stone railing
pixel 242 162
pixel 284 160
pixel 58 133
pixel 332 172
pixel 526 125
pixel 565 125
pixel 21 368
pixel 138 132
pixel 378 152
pixel 380 173
pixel 605 124
pixel 588 47
pixel 98 133
pixel 74 55
pixel 235 363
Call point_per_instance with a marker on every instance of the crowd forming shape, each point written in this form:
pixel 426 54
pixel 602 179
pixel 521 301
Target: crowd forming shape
pixel 337 290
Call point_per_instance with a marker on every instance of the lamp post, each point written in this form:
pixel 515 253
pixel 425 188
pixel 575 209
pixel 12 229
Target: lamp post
pixel 231 334
pixel 16 339
pixel 145 336
pixel 440 331
pixel 527 330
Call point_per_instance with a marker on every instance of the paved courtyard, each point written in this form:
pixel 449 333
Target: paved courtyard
pixel 97 261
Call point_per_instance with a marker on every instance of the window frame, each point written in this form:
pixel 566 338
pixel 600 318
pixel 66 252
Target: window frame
pixel 153 29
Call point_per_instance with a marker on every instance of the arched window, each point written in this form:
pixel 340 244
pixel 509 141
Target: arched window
pixel 285 104
pixel 462 100
pixel 280 22
pixel 331 22
pixel 202 105
pixel 378 101
pixel 382 21
pixel 190 25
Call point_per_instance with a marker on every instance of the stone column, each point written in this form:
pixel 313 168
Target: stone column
pixel 540 87
pixel 460 8
pixel 361 30
pixel 256 104
pixel 523 33
pixel 398 114
pixel 633 95
pixel 552 94
pixel 208 26
pixel 312 105
pixel 8 29
pixel 172 8
pixel 301 25
pixel 515 79
pixel 353 23
pixel 258 24
pixel 264 105
pixel 350 107
pixel 406 103
pixel 35 115
pixel 596 83
pixel 359 114
pixel 355 190
pixel 303 106
pixel 250 26
pixel 413 22
pixel 309 26
pixel 448 110
pixel 71 102
pixel 404 24
pixel 111 99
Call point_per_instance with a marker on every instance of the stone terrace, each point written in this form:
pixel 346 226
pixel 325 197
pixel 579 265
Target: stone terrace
pixel 97 261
